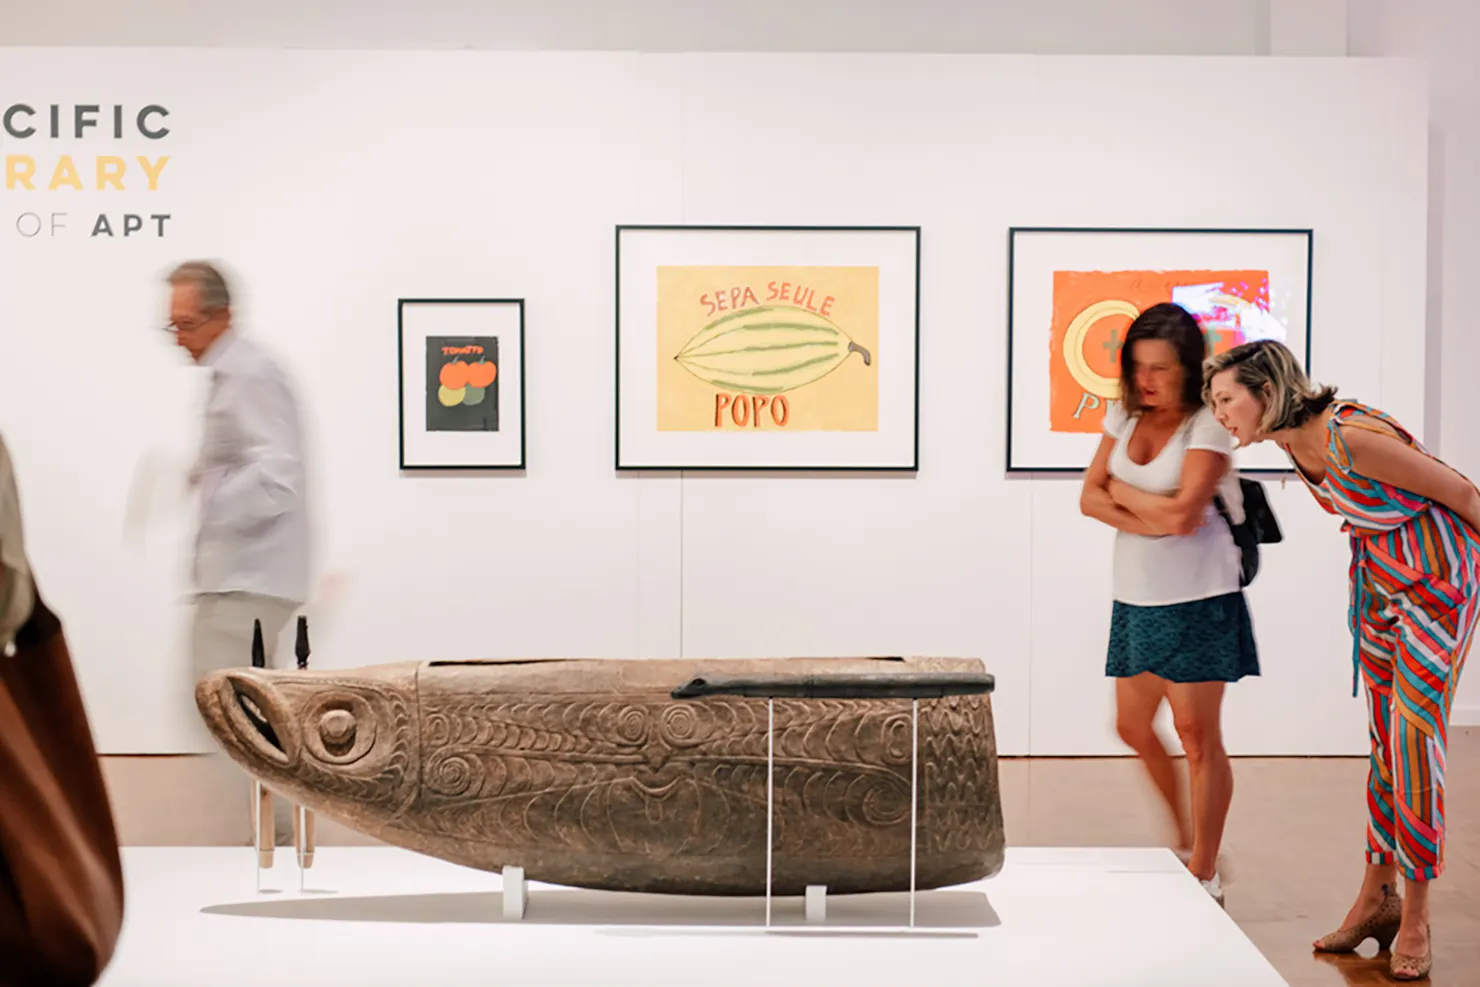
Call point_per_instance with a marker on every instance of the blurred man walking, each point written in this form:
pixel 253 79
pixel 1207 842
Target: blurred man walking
pixel 252 555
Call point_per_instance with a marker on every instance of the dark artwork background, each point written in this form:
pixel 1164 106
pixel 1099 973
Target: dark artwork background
pixel 464 361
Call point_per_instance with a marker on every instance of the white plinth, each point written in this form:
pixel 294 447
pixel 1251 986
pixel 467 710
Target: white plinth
pixel 516 893
pixel 816 907
pixel 374 916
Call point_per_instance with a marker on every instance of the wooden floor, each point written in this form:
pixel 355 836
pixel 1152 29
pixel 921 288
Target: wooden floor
pixel 1293 850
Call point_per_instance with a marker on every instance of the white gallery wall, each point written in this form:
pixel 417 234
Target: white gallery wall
pixel 1442 33
pixel 333 183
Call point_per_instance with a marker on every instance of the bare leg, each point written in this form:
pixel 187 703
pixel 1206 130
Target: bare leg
pixel 1377 880
pixel 1413 936
pixel 1136 702
pixel 1197 713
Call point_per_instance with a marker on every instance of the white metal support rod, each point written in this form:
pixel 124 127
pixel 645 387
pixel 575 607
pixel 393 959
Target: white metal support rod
pixel 257 830
pixel 302 840
pixel 770 776
pixel 914 789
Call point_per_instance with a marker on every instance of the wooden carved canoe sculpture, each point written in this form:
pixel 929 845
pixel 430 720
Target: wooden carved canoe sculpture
pixel 601 773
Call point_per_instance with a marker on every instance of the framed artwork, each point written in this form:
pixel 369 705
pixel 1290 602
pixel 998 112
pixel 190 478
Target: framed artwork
pixel 1073 292
pixel 767 348
pixel 462 383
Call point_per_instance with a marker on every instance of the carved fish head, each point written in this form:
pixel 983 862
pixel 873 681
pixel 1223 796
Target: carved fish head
pixel 335 742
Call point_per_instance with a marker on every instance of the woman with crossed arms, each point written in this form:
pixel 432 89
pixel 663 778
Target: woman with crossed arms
pixel 1414 526
pixel 1180 629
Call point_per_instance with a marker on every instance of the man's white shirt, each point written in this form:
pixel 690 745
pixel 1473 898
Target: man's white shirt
pixel 253 534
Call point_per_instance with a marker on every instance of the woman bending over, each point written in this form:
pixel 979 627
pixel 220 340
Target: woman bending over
pixel 1415 592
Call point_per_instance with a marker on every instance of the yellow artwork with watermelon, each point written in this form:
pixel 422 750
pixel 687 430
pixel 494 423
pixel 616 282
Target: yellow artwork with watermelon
pixel 772 349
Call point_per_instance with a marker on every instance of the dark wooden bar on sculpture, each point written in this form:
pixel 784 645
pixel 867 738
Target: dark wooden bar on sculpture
pixel 841 685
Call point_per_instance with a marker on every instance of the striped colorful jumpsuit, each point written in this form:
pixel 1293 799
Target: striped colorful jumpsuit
pixel 1415 594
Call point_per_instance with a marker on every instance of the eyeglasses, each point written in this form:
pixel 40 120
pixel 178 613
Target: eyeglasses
pixel 174 328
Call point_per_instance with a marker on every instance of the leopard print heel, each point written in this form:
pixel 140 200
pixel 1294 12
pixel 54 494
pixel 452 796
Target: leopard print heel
pixel 1382 926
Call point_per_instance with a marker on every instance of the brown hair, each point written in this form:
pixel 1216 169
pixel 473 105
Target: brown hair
pixel 1176 325
pixel 1272 374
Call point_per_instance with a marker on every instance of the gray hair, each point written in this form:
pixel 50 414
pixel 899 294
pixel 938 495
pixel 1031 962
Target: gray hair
pixel 211 289
pixel 1270 371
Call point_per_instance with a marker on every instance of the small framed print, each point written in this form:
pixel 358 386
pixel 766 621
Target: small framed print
pixel 767 348
pixel 1073 292
pixel 462 383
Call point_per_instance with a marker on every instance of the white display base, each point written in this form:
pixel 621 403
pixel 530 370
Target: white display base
pixel 816 907
pixel 515 893
pixel 374 916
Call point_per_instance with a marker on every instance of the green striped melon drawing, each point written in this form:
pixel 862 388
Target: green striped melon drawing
pixel 768 350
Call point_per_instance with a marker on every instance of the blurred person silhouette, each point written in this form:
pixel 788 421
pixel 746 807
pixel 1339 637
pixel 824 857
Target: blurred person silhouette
pixel 1180 628
pixel 61 877
pixel 252 549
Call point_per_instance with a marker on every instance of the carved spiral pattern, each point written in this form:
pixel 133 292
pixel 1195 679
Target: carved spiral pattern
pixel 882 802
pixel 632 724
pixel 681 726
pixel 452 775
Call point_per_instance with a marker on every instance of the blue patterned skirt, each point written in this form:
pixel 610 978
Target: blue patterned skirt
pixel 1208 640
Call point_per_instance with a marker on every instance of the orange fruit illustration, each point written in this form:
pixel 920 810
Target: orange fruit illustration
pixel 454 375
pixel 481 374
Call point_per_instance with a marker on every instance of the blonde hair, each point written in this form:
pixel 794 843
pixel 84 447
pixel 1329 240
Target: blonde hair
pixel 1271 373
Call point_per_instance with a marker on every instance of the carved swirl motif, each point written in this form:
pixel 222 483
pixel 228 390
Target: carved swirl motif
pixel 682 726
pixel 632 724
pixel 881 803
pixel 452 775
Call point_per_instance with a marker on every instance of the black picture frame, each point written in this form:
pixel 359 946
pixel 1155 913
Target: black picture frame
pixel 1014 232
pixel 910 467
pixel 410 462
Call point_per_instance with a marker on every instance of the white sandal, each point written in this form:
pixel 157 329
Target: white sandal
pixel 1213 886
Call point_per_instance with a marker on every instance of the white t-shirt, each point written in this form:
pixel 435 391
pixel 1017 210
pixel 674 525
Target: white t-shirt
pixel 1157 570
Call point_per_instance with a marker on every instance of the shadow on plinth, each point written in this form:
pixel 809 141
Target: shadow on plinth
pixel 935 911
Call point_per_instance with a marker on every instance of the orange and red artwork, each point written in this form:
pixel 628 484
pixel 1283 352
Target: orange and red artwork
pixel 1093 309
pixel 462 384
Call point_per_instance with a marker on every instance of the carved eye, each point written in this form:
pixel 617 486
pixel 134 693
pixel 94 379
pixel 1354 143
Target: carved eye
pixel 337 731
pixel 339 727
